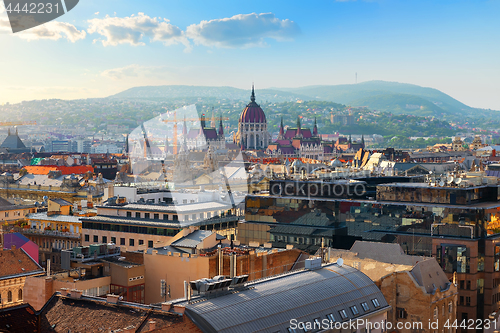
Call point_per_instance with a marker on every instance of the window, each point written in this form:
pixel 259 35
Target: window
pixel 129 214
pixel 343 314
pixel 165 216
pixel 450 307
pixel 96 239
pixel 175 217
pixel 365 306
pixel 141 241
pixel 462 284
pixel 468 284
pixel 375 303
pixel 193 216
pixel 104 239
pixel 354 310
pixel 317 324
pixel 113 240
pixel 9 296
pixel 20 295
pixel 436 312
pixel 330 317
pixel 138 215
pixel 461 300
pixel 467 301
pixel 150 243
pixel 401 313
pixel 131 242
pixel 146 215
pixel 122 241
pixel 157 216
pixel 87 238
pixel 442 310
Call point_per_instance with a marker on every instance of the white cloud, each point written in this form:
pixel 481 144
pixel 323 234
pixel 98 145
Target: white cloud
pixel 136 71
pixel 53 31
pixel 133 29
pixel 243 30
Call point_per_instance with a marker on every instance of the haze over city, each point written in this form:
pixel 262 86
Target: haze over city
pixel 102 48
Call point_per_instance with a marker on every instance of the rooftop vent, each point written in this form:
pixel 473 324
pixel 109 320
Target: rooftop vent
pixel 313 263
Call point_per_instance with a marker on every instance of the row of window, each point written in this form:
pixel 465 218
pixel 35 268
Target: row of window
pixel 129 228
pixel 450 309
pixel 9 296
pixel 155 216
pixel 104 239
pixel 342 313
pixel 464 300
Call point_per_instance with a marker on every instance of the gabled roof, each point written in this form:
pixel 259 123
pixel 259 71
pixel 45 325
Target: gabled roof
pixel 64 314
pixel 61 202
pixel 20 318
pixel 384 252
pixel 193 239
pixel 15 262
pixel 12 141
pixel 430 275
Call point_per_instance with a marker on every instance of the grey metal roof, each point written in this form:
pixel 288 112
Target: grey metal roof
pixel 269 305
pixel 193 239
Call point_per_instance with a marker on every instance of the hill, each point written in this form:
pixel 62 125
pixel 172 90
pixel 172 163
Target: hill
pixel 181 91
pixel 363 94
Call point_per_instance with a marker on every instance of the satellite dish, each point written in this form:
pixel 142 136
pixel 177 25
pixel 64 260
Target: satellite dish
pixel 458 181
pixel 450 179
pixel 433 184
pixel 441 183
pixel 340 262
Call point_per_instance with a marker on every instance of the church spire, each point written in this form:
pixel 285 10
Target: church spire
pixel 315 129
pixel 252 98
pixel 299 130
pixel 282 130
pixel 221 128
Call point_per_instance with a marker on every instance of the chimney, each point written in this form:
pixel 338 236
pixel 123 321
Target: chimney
pixel 48 267
pixel 152 325
pixel 76 293
pixel 221 260
pixel 64 291
pixel 167 306
pixel 113 299
pixel 179 309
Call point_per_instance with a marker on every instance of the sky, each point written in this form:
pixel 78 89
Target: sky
pixel 102 47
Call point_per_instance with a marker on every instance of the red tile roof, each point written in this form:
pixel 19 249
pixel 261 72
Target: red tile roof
pixel 16 261
pixel 65 170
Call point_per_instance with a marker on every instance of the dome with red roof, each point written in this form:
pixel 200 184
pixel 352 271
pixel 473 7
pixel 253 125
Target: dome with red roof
pixel 253 113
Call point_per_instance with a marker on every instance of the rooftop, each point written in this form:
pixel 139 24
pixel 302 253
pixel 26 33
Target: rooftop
pixel 193 239
pixel 16 262
pixel 304 295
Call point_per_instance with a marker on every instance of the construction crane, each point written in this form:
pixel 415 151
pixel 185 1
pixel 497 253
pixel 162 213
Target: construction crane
pixel 175 121
pixel 17 123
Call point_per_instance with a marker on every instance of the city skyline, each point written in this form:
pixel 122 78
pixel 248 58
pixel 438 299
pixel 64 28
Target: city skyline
pixel 99 49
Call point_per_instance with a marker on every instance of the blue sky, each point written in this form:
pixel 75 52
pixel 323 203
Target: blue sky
pixel 102 47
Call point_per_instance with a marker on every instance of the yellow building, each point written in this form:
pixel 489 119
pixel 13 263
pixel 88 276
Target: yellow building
pixel 16 266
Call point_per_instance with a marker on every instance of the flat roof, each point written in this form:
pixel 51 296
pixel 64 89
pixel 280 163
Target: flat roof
pixel 55 218
pixel 177 208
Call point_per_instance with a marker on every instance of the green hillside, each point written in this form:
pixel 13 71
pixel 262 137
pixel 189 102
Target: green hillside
pixel 400 104
pixel 351 93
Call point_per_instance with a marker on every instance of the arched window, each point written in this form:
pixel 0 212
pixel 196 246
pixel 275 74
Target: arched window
pixel 20 295
pixel 9 296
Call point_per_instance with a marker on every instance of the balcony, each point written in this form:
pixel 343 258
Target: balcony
pixel 50 233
